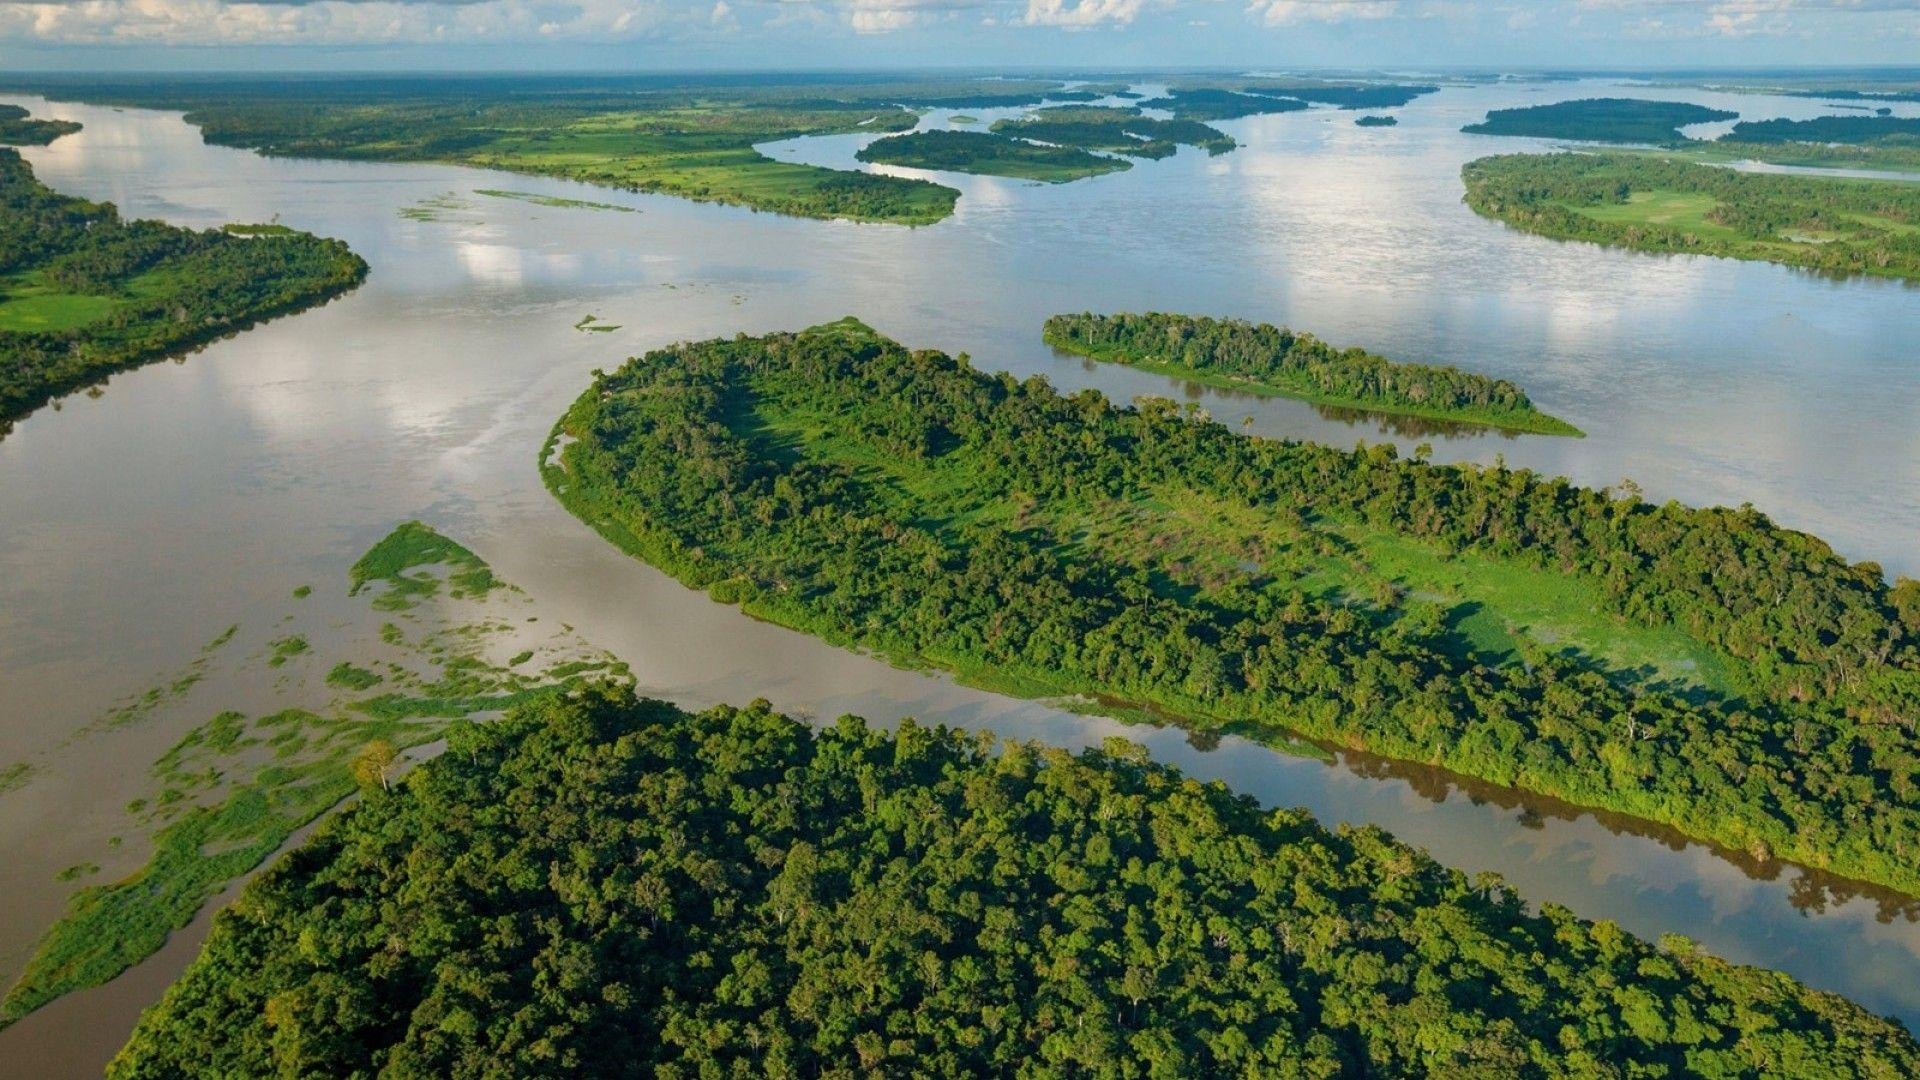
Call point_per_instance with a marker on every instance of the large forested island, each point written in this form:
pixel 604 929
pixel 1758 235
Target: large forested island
pixel 1704 669
pixel 610 887
pixel 1618 120
pixel 992 155
pixel 1833 224
pixel 19 128
pixel 1274 360
pixel 85 293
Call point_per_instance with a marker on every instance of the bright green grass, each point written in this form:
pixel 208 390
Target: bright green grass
pixel 1197 543
pixel 1673 209
pixel 402 561
pixel 29 308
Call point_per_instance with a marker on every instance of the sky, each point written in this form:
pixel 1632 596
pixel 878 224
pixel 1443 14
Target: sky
pixel 677 35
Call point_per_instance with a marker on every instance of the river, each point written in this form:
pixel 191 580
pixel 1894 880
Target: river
pixel 137 525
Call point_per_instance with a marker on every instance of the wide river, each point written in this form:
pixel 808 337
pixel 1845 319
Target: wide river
pixel 135 526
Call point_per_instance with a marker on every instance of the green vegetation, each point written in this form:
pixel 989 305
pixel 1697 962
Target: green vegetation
pixel 609 887
pixel 963 119
pixel 993 155
pixel 347 675
pixel 672 137
pixel 1375 121
pixel 1274 360
pixel 415 546
pixel 17 128
pixel 1832 224
pixel 15 775
pixel 235 788
pixel 1829 129
pixel 84 293
pixel 556 201
pixel 591 324
pixel 899 501
pixel 302 592
pixel 1212 104
pixel 1120 131
pixel 1344 96
pixel 1618 120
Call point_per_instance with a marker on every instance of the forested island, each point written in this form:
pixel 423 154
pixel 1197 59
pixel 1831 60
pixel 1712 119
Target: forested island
pixel 1275 360
pixel 1115 130
pixel 85 293
pixel 18 128
pixel 1376 121
pixel 1864 142
pixel 613 887
pixel 672 137
pixel 1703 669
pixel 1832 224
pixel 1620 120
pixel 989 154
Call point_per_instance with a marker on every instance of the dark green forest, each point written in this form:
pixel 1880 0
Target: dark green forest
pixel 610 887
pixel 993 155
pixel 1210 104
pixel 1122 131
pixel 1274 358
pixel 1833 224
pixel 836 482
pixel 85 293
pixel 1620 120
pixel 1828 129
pixel 18 128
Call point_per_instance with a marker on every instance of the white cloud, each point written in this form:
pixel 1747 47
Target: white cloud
pixel 1279 12
pixel 1081 14
pixel 326 22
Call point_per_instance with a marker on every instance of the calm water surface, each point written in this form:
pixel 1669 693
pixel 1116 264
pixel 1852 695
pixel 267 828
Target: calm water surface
pixel 136 526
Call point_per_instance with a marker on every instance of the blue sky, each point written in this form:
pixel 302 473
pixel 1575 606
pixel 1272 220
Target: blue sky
pixel 748 34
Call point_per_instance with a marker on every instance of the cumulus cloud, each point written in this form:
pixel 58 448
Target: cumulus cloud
pixel 1279 12
pixel 326 22
pixel 1082 14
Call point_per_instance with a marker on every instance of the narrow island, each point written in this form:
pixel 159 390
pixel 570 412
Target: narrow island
pixel 1880 141
pixel 607 886
pixel 1615 120
pixel 1265 359
pixel 989 154
pixel 18 128
pixel 1376 121
pixel 1838 225
pixel 85 293
pixel 1702 669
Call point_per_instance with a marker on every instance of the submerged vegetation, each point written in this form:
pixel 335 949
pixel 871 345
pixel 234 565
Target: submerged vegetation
pixel 993 155
pixel 1494 623
pixel 610 887
pixel 236 787
pixel 85 293
pixel 556 201
pixel 1833 224
pixel 18 128
pixel 1274 360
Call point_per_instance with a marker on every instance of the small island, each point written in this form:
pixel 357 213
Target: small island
pixel 615 887
pixel 1376 121
pixel 85 293
pixel 1498 624
pixel 989 154
pixel 1615 120
pixel 1837 225
pixel 1266 359
pixel 17 128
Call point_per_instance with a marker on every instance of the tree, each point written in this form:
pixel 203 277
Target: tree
pixel 372 764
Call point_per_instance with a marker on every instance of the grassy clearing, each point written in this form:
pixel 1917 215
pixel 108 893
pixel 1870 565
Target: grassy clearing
pixel 32 306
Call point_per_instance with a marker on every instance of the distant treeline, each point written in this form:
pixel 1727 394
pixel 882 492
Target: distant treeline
pixel 167 289
pixel 1828 129
pixel 900 501
pixel 1274 358
pixel 608 887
